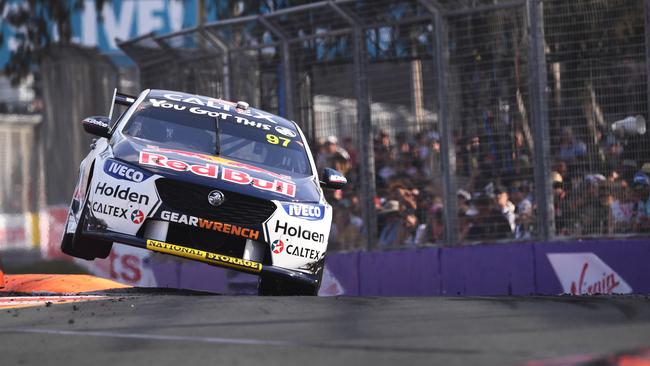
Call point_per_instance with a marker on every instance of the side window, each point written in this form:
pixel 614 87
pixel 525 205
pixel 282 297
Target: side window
pixel 118 113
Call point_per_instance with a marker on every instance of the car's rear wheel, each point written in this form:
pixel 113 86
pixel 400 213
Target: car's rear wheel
pixel 80 246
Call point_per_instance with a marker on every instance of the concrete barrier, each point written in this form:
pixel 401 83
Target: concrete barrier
pixel 19 231
pixel 577 267
pixel 2 274
pixel 51 224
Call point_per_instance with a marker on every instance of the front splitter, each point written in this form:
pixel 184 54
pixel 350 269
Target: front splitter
pixel 213 259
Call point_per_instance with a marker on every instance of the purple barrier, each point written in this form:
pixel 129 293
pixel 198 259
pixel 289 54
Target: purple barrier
pixel 167 273
pixel 579 267
pixel 398 273
pixel 190 275
pixel 345 267
pixel 497 269
pixel 203 277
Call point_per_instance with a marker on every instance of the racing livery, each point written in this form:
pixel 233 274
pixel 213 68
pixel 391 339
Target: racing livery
pixel 208 180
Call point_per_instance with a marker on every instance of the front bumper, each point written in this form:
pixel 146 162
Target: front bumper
pixel 210 258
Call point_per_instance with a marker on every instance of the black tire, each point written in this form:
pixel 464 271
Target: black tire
pixel 77 245
pixel 269 286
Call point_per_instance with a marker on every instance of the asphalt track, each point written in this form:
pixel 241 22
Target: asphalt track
pixel 137 327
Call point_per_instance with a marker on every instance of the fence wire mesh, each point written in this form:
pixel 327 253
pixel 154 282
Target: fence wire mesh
pixel 596 56
pixel 363 80
pixel 492 129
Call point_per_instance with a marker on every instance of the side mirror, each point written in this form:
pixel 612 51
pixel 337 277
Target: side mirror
pixel 333 179
pixel 97 125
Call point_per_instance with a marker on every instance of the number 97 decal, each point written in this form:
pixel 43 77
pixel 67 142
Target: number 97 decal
pixel 277 140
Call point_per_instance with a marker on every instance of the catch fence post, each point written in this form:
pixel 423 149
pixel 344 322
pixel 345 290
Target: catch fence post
pixel 447 145
pixel 646 24
pixel 365 143
pixel 541 133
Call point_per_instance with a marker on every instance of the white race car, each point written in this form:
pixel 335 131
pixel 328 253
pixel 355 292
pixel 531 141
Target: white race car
pixel 204 179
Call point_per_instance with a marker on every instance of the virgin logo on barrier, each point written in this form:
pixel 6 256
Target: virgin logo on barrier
pixel 605 285
pixel 586 274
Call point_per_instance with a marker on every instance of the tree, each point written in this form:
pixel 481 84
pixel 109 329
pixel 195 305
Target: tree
pixel 37 25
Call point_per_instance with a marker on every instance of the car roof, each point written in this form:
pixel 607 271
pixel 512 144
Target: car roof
pixel 220 104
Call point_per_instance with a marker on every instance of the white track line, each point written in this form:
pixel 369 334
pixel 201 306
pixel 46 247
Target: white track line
pixel 42 300
pixel 238 341
pixel 160 337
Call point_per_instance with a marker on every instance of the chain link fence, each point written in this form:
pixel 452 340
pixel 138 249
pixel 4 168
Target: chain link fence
pixel 597 65
pixel 455 121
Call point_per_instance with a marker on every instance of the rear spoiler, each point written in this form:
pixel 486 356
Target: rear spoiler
pixel 122 99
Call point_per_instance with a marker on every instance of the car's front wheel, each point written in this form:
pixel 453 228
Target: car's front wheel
pixel 80 246
pixel 269 286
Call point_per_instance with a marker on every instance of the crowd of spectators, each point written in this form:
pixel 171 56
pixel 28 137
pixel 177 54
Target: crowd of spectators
pixel 597 190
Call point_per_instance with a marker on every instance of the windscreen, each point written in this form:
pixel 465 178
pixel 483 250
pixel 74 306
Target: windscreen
pixel 243 138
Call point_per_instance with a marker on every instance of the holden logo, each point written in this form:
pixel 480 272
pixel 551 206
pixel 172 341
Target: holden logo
pixel 215 198
pixel 277 246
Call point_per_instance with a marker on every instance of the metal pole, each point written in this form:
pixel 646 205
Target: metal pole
pixel 646 4
pixel 226 75
pixel 286 65
pixel 225 59
pixel 365 142
pixel 447 146
pixel 541 133
pixel 287 79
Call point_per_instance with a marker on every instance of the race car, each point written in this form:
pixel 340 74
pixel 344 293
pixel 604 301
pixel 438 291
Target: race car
pixel 208 180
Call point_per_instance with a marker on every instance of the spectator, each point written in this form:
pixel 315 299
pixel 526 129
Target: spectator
pixel 621 210
pixel 386 173
pixel 348 235
pixel 469 156
pixel 464 199
pixel 341 163
pixel 427 152
pixel 410 232
pixel 348 145
pixel 434 227
pixel 410 213
pixel 489 223
pixel 641 188
pixel 570 147
pixel 388 235
pixel 383 149
pixel 560 204
pixel 521 155
pixel 523 210
pixel 328 150
pixel 506 207
pixel 465 223
pixel 591 205
pixel 407 197
pixel 645 169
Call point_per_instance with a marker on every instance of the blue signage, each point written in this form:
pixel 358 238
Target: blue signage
pixel 123 19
